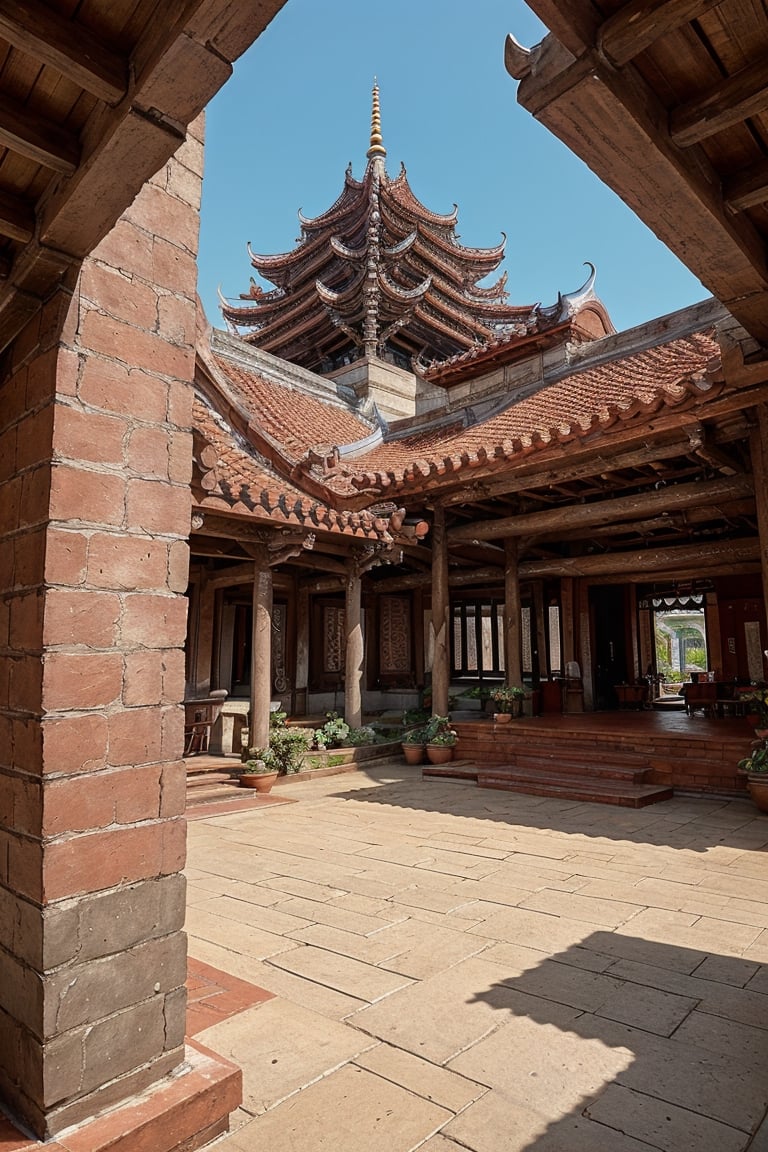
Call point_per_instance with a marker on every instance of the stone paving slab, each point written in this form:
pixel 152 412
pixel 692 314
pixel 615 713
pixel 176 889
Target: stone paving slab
pixel 420 1076
pixel 343 973
pixel 661 1124
pixel 282 1048
pixel 497 1123
pixel 347 1112
pixel 491 974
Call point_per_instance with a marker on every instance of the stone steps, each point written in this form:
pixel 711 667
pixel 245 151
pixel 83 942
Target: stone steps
pixel 207 783
pixel 695 757
pixel 571 786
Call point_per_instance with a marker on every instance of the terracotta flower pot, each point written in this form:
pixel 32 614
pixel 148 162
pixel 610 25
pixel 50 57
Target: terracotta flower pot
pixel 261 781
pixel 414 753
pixel 757 783
pixel 502 717
pixel 439 753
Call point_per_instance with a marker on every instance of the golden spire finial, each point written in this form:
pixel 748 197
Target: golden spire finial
pixel 377 147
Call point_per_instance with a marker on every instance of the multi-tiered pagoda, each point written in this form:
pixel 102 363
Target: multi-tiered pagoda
pixel 379 276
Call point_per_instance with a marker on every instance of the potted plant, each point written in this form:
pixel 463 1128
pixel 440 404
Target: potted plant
pixel 508 699
pixel 440 739
pixel 333 733
pixel 755 767
pixel 259 772
pixel 757 707
pixel 413 743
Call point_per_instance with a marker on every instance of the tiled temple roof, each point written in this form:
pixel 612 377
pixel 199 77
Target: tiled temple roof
pixel 378 271
pixel 297 420
pixel 596 400
pixel 231 477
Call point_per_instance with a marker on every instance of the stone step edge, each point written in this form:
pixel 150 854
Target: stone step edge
pixel 628 797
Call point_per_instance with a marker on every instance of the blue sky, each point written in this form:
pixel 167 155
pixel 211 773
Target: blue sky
pixel 297 110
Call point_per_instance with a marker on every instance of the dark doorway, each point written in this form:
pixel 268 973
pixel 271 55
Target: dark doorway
pixel 608 607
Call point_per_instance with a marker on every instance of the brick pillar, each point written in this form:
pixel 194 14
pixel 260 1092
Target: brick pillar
pixel 95 412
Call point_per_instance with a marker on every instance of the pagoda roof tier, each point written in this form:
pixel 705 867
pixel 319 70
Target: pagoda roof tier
pixel 379 272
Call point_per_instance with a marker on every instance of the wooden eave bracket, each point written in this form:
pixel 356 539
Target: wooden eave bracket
pixel 569 95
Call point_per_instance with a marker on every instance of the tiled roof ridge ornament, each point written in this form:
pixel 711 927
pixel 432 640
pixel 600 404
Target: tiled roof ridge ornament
pixel 377 142
pixel 570 303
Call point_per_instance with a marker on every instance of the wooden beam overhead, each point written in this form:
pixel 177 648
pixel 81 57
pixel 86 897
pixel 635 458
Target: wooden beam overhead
pixel 17 220
pixel 694 557
pixel 40 140
pixel 747 189
pixel 678 496
pixel 636 26
pixel 42 32
pixel 567 468
pixel 734 99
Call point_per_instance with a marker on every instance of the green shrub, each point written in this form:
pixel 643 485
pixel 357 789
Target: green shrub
pixel 333 733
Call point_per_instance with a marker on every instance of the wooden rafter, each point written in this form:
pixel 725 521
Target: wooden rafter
pixel 747 189
pixel 732 100
pixel 17 220
pixel 636 26
pixel 30 135
pixel 71 49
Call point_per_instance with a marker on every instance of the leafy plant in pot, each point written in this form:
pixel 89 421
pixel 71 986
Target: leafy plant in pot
pixel 260 771
pixel 413 743
pixel 508 699
pixel 757 707
pixel 755 767
pixel 440 739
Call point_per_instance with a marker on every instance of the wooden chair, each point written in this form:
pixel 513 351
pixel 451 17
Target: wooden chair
pixel 702 696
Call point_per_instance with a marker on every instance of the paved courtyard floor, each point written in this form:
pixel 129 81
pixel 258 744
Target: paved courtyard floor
pixel 455 968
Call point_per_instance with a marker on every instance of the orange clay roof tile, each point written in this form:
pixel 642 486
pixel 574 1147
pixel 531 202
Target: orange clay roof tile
pixel 247 485
pixel 596 397
pixel 295 419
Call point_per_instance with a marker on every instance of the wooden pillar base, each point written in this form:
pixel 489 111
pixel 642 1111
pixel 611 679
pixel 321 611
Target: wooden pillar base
pixel 182 1112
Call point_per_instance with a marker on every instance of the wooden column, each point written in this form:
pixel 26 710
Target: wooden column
pixel 646 639
pixel 585 646
pixel 441 607
pixel 567 622
pixel 636 670
pixel 541 663
pixel 512 613
pixel 758 447
pixel 261 650
pixel 714 639
pixel 302 651
pixel 205 614
pixel 353 676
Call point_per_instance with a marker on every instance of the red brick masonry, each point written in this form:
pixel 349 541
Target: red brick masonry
pixel 187 1111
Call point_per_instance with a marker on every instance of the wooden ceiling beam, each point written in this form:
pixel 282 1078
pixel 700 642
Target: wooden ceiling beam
pixel 636 26
pixel 42 32
pixel 17 219
pixel 694 557
pixel 675 497
pixel 616 123
pixel 28 134
pixel 747 189
pixel 734 99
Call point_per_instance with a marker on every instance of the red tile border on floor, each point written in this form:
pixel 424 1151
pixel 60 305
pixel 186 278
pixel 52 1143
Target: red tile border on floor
pixel 181 1112
pixel 214 996
pixel 222 807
